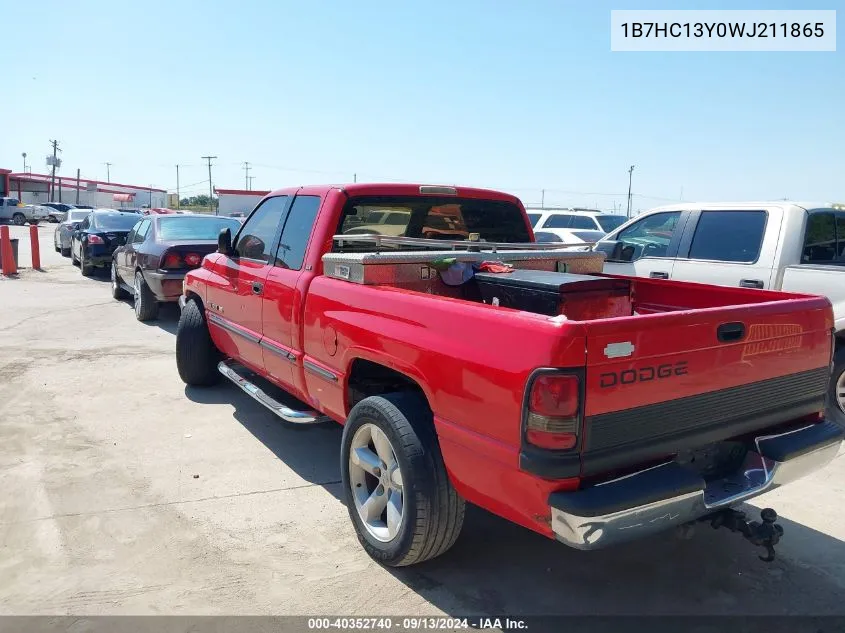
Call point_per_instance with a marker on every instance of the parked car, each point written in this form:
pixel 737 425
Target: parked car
pixel 797 247
pixel 58 211
pixel 98 235
pixel 14 211
pixel 587 429
pixel 158 252
pixel 64 231
pixel 560 220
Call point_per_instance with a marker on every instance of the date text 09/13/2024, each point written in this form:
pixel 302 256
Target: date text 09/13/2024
pixel 415 623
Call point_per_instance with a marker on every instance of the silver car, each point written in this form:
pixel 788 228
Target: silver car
pixel 65 229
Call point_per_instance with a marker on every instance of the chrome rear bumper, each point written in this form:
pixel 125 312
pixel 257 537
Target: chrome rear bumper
pixel 669 495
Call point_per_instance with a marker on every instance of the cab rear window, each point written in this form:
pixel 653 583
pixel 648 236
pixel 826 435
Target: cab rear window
pixel 729 236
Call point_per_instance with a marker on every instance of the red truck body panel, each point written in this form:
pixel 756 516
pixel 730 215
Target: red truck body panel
pixel 473 360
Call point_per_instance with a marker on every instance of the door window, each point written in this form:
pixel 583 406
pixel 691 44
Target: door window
pixel 257 236
pixel 650 237
pixel 297 232
pixel 820 239
pixel 840 235
pixel 141 232
pixel 583 222
pixel 558 221
pixel 729 236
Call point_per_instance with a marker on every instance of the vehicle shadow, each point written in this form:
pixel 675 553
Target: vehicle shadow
pixel 311 451
pixel 167 319
pixel 499 568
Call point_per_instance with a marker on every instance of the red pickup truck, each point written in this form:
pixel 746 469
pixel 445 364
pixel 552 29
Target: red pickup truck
pixel 482 367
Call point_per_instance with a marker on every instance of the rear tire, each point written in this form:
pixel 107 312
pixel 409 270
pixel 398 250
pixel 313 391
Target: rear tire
pixel 196 354
pixel 64 251
pixel 836 389
pixel 146 305
pixel 86 269
pixel 432 512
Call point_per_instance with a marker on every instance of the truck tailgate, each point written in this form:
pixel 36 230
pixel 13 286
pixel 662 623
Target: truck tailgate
pixel 657 384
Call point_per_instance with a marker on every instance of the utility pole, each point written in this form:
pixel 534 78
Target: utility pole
pixel 354 177
pixel 108 171
pixel 630 177
pixel 251 178
pixel 178 196
pixel 542 198
pixel 210 198
pixel 151 195
pixel 246 178
pixel 77 186
pixel 55 145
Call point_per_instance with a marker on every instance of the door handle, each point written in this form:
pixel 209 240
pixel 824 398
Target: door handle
pixel 658 274
pixel 257 287
pixel 728 332
pixel 751 283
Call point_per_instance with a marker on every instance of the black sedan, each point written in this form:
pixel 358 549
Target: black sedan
pixel 160 249
pixel 99 234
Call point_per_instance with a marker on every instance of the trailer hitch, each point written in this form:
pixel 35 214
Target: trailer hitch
pixel 766 534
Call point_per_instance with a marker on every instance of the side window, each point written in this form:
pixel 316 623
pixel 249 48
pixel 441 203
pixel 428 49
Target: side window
pixel 840 235
pixel 130 238
pixel 257 236
pixel 297 231
pixel 583 222
pixel 649 237
pixel 141 231
pixel 86 223
pixel 729 236
pixel 558 221
pixel 534 218
pixel 820 239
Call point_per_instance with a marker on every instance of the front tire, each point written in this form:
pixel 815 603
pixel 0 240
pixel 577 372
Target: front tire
pixel 146 306
pixel 117 291
pixel 19 219
pixel 836 389
pixel 398 494
pixel 196 354
pixel 65 251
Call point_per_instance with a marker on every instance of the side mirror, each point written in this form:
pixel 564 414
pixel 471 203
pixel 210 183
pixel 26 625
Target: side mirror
pixel 614 251
pixel 224 242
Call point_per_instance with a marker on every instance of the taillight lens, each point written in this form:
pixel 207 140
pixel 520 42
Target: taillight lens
pixel 172 260
pixel 95 239
pixel 553 405
pixel 192 259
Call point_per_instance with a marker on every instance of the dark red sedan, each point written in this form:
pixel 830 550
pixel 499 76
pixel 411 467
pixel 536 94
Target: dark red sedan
pixel 159 250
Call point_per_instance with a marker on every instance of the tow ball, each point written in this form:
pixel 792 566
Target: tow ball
pixel 766 534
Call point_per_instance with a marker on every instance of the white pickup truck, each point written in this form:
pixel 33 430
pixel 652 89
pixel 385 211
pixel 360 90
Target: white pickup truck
pixel 11 210
pixel 791 246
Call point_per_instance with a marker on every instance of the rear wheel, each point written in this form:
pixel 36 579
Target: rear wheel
pixel 398 494
pixel 146 306
pixel 84 267
pixel 836 391
pixel 117 290
pixel 196 354
pixel 73 259
pixel 65 251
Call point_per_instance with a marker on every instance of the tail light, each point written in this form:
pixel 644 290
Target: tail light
pixel 95 239
pixel 554 404
pixel 192 259
pixel 172 260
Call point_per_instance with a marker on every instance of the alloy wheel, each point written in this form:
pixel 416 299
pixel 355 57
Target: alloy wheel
pixel 840 392
pixel 376 481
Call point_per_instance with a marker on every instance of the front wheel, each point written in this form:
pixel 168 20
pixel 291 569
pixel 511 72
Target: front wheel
pixel 196 354
pixel 19 219
pixel 398 494
pixel 836 389
pixel 117 290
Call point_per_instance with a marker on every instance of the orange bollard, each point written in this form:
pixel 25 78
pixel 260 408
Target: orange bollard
pixel 9 267
pixel 33 243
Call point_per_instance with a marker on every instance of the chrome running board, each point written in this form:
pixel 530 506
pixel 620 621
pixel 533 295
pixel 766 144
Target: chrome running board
pixel 286 413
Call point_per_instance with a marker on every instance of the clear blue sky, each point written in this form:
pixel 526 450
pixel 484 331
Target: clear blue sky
pixel 518 96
